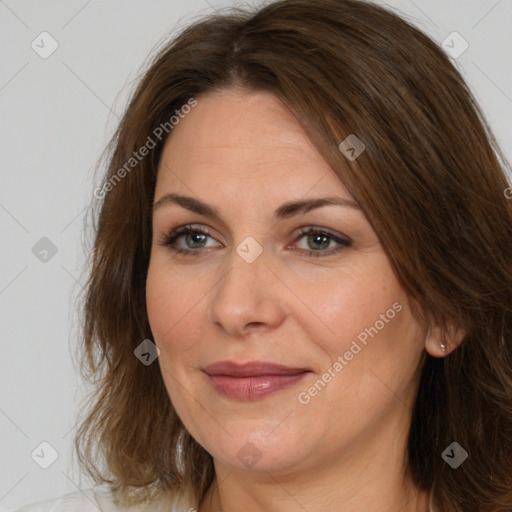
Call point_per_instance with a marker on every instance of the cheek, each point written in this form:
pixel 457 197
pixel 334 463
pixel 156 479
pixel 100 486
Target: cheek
pixel 158 299
pixel 170 310
pixel 356 301
pixel 371 328
pixel 165 302
pixel 167 293
pixel 175 305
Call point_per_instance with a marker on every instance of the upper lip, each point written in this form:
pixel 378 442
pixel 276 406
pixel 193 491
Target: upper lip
pixel 251 369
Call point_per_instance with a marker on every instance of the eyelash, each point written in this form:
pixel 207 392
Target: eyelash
pixel 169 240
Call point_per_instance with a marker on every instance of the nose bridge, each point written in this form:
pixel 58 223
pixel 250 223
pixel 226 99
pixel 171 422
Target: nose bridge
pixel 246 294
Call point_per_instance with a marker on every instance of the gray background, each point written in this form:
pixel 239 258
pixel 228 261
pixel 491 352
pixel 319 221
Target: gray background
pixel 56 116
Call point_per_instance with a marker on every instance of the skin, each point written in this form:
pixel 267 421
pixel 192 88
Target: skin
pixel 246 154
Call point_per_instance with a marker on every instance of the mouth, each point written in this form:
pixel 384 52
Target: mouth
pixel 254 380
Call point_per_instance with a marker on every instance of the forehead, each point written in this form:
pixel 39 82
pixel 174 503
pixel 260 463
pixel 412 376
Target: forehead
pixel 243 139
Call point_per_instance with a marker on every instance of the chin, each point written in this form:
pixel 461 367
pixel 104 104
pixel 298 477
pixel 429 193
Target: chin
pixel 260 449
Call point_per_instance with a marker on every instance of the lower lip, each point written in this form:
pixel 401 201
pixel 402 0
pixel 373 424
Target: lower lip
pixel 253 388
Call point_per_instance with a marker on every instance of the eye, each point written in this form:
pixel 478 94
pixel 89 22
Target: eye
pixel 318 240
pixel 194 238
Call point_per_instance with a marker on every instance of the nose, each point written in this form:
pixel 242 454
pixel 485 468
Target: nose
pixel 248 296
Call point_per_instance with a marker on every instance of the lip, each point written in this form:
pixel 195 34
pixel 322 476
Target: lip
pixel 253 380
pixel 251 369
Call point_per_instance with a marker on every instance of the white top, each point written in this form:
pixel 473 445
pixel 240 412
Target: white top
pixel 93 500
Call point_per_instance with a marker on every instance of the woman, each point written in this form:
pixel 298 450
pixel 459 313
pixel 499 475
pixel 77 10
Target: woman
pixel 300 293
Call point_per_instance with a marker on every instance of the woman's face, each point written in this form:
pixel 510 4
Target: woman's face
pixel 250 284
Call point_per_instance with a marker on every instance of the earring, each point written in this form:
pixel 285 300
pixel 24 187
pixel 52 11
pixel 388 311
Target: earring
pixel 443 347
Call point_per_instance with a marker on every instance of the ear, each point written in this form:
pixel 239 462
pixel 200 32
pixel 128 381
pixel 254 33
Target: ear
pixel 451 339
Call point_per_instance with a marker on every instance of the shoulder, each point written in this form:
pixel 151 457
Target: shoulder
pixel 92 500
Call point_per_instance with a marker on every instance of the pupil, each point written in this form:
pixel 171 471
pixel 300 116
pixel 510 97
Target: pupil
pixel 194 237
pixel 321 237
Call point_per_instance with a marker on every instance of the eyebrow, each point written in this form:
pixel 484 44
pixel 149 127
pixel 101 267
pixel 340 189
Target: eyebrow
pixel 286 210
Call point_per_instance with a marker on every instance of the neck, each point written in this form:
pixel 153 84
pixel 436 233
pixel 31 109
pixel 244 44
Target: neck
pixel 274 494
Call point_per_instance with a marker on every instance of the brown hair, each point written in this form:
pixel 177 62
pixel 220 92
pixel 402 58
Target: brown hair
pixel 431 181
